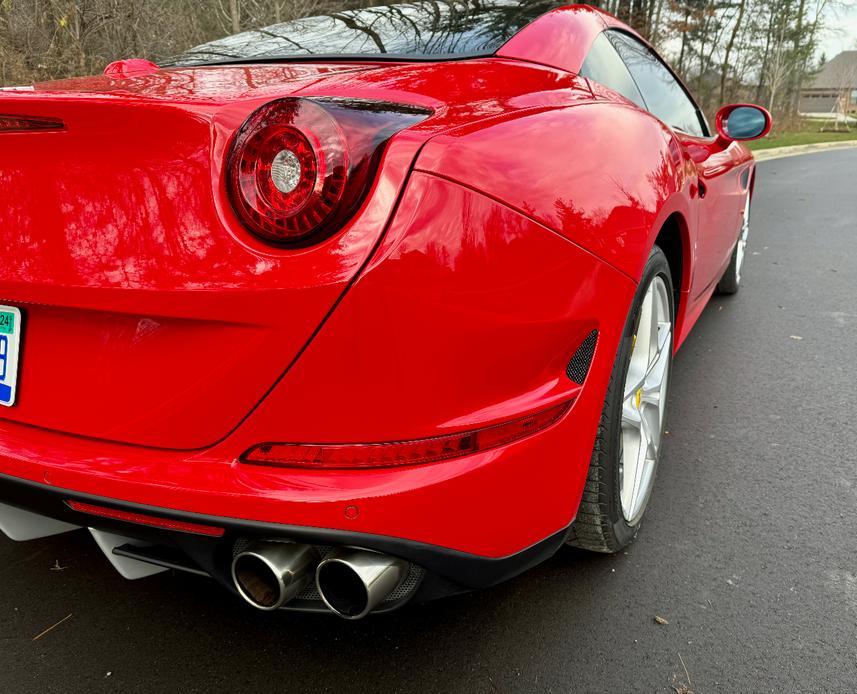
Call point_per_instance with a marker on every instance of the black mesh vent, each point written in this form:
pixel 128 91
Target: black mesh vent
pixel 578 367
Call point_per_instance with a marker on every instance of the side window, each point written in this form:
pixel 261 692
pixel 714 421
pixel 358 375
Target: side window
pixel 664 96
pixel 603 65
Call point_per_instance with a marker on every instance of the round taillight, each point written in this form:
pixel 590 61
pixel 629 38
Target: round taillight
pixel 288 170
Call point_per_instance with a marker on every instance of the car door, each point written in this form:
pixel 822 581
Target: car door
pixel 718 191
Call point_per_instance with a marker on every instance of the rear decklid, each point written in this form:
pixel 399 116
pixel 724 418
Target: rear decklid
pixel 150 314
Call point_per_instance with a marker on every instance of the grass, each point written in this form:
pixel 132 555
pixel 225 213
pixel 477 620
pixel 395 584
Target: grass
pixel 807 134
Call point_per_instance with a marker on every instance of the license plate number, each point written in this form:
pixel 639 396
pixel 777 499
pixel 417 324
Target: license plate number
pixel 10 345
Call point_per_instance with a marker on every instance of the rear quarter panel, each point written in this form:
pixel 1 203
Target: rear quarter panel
pixel 602 174
pixel 151 316
pixel 466 316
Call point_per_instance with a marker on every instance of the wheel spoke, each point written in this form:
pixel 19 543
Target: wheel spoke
pixel 639 468
pixel 631 388
pixel 654 331
pixel 654 380
pixel 642 342
pixel 631 416
pixel 651 419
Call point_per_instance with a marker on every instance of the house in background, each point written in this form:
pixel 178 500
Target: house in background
pixel 834 89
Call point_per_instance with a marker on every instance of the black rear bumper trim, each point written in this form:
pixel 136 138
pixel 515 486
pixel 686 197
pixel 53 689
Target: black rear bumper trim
pixel 159 556
pixel 464 569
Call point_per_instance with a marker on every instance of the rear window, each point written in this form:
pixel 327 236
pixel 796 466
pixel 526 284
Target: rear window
pixel 422 28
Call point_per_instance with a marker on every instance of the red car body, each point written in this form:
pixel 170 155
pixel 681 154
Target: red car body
pixel 163 340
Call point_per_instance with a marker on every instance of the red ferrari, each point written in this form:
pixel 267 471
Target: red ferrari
pixel 362 308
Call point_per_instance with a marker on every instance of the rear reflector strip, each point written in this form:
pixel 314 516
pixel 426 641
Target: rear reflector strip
pixel 432 450
pixel 143 519
pixel 23 124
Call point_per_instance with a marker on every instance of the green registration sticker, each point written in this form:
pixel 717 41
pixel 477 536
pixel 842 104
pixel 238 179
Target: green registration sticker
pixel 7 323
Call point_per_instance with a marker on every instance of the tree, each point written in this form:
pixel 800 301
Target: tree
pixel 755 50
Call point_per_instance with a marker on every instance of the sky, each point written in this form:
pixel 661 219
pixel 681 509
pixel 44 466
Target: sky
pixel 842 31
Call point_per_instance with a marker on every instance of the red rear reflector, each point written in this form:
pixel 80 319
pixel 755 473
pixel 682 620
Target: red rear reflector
pixel 143 519
pixel 23 124
pixel 365 455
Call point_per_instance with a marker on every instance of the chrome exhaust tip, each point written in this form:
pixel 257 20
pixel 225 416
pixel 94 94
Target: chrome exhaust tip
pixel 269 574
pixel 352 582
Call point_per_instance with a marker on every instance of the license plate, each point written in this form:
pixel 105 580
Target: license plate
pixel 10 344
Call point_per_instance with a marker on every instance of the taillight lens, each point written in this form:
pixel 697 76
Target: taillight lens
pixel 368 455
pixel 298 168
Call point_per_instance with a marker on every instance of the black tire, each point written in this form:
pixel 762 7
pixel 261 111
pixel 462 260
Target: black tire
pixel 600 525
pixel 730 283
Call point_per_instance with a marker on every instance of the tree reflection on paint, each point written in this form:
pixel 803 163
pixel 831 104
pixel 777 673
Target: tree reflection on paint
pixel 425 27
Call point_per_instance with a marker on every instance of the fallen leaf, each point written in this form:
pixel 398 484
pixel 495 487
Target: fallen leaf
pixel 660 620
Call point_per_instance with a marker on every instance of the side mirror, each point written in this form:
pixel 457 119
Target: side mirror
pixel 743 122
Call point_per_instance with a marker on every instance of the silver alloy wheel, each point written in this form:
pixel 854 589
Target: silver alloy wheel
pixel 643 400
pixel 741 248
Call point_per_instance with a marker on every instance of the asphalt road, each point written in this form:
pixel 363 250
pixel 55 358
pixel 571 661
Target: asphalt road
pixel 748 549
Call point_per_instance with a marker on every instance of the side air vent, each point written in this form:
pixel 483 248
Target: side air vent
pixel 578 367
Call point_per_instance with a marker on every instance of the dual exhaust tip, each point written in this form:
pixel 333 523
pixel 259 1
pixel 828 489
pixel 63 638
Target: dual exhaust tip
pixel 351 582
